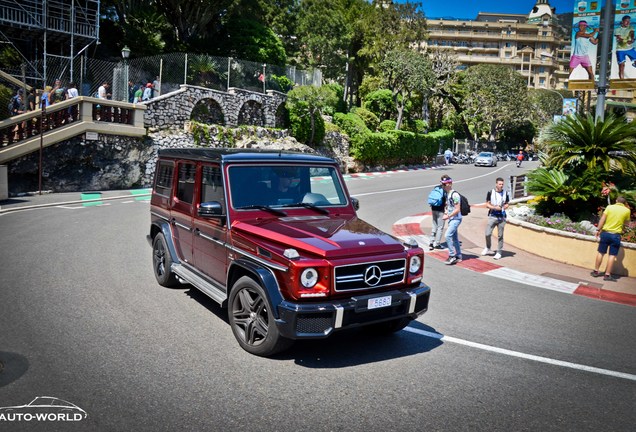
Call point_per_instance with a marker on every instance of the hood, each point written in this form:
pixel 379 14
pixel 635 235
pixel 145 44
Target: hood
pixel 328 237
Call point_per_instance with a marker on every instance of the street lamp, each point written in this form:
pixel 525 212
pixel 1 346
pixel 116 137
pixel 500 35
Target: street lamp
pixel 125 53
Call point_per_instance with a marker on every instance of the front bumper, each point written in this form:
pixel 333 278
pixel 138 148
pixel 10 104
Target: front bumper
pixel 483 163
pixel 319 320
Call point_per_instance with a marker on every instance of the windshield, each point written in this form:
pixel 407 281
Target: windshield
pixel 485 154
pixel 285 186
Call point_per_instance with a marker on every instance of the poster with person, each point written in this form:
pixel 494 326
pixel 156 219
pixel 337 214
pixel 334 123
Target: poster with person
pixel 585 39
pixel 569 106
pixel 623 58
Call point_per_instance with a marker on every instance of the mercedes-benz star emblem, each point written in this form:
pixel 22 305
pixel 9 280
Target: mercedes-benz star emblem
pixel 372 275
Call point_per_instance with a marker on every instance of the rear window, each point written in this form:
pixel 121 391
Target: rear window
pixel 163 179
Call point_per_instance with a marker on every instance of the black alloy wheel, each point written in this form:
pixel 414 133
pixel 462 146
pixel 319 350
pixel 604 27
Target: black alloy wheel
pixel 162 263
pixel 252 320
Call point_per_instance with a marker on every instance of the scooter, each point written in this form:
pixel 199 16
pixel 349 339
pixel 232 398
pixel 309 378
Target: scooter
pixel 518 163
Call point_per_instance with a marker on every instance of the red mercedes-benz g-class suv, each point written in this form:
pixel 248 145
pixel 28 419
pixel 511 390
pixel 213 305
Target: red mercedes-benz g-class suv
pixel 275 238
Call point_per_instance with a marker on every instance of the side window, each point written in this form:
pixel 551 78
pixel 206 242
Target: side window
pixel 163 179
pixel 212 184
pixel 185 186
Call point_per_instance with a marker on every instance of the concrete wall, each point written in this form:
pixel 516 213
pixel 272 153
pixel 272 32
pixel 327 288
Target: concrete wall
pixel 576 249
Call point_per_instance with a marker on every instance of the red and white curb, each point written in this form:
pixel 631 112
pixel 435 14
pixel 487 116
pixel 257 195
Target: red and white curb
pixel 411 227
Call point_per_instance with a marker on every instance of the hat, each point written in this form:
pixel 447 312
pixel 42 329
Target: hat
pixel 447 180
pixel 148 85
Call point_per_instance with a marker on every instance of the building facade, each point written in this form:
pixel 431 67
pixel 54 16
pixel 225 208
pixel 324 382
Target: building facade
pixel 531 44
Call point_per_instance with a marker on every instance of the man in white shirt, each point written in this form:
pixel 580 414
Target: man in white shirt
pixel 497 202
pixel 147 93
pixel 102 92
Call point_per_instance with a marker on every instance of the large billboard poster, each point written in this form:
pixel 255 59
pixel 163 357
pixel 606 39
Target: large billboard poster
pixel 623 64
pixel 585 39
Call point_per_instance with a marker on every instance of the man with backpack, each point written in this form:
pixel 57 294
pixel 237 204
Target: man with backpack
pixel 497 202
pixel 16 104
pixel 437 201
pixel 453 215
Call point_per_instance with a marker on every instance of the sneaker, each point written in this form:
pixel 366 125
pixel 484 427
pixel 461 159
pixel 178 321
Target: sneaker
pixel 497 256
pixel 609 278
pixel 431 247
pixel 595 273
pixel 439 246
pixel 451 260
pixel 485 252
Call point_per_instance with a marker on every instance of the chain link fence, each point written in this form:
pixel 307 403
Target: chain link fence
pixel 170 71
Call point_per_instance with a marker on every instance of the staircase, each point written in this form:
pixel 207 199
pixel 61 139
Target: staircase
pixel 26 133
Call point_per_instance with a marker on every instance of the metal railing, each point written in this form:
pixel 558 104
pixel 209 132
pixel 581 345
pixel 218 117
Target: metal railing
pixel 66 119
pixel 219 73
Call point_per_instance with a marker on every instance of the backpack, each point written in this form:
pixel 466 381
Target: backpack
pixel 13 105
pixel 436 197
pixel 464 205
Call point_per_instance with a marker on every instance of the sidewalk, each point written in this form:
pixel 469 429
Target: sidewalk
pixel 518 265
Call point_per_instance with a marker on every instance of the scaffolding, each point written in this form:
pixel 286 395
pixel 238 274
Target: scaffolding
pixel 50 36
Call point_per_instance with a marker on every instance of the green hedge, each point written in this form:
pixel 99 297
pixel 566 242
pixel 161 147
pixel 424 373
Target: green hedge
pixel 400 147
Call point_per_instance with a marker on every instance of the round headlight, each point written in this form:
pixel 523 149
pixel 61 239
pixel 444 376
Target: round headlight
pixel 415 264
pixel 309 277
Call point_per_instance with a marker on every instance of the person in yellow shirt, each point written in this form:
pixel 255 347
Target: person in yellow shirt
pixel 610 228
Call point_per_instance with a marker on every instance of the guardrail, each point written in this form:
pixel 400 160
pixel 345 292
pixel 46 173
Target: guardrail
pixel 24 133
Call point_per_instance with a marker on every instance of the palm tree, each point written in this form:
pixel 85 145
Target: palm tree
pixel 580 143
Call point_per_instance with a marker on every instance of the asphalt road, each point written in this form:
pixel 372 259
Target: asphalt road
pixel 82 319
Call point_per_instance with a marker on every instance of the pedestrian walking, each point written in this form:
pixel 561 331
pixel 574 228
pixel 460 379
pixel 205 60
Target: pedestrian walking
pixel 147 93
pixel 497 200
pixel 437 201
pixel 454 217
pixel 448 155
pixel 610 228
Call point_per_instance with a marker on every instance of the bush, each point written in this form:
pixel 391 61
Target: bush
pixel 380 103
pixel 371 120
pixel 300 127
pixel 387 125
pixel 283 83
pixel 353 126
pixel 338 104
pixel 399 147
pixel 418 126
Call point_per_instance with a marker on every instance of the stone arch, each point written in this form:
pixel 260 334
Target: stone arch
pixel 209 111
pixel 281 117
pixel 252 114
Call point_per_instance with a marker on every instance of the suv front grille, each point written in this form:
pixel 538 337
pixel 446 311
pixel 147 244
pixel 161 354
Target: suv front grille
pixel 369 275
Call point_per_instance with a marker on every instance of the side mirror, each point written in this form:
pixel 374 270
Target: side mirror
pixel 211 209
pixel 356 203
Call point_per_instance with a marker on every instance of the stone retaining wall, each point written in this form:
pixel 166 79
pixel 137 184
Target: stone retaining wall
pixel 576 249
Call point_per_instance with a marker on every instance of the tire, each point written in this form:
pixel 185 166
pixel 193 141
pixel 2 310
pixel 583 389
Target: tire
pixel 162 263
pixel 252 320
pixel 388 327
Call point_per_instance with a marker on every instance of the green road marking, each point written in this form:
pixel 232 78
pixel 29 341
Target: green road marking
pixel 91 196
pixel 141 192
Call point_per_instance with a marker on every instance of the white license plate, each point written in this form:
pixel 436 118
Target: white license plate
pixel 379 302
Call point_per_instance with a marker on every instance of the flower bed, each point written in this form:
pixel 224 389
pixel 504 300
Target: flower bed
pixel 567 247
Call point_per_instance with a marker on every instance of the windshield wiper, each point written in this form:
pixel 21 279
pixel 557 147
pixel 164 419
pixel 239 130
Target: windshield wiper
pixel 264 208
pixel 309 206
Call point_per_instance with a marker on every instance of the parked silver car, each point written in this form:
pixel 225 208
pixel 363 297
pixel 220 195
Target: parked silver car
pixel 486 159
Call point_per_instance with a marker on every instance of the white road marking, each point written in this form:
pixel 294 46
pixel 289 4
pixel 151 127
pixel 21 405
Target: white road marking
pixel 488 174
pixel 525 356
pixel 534 280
